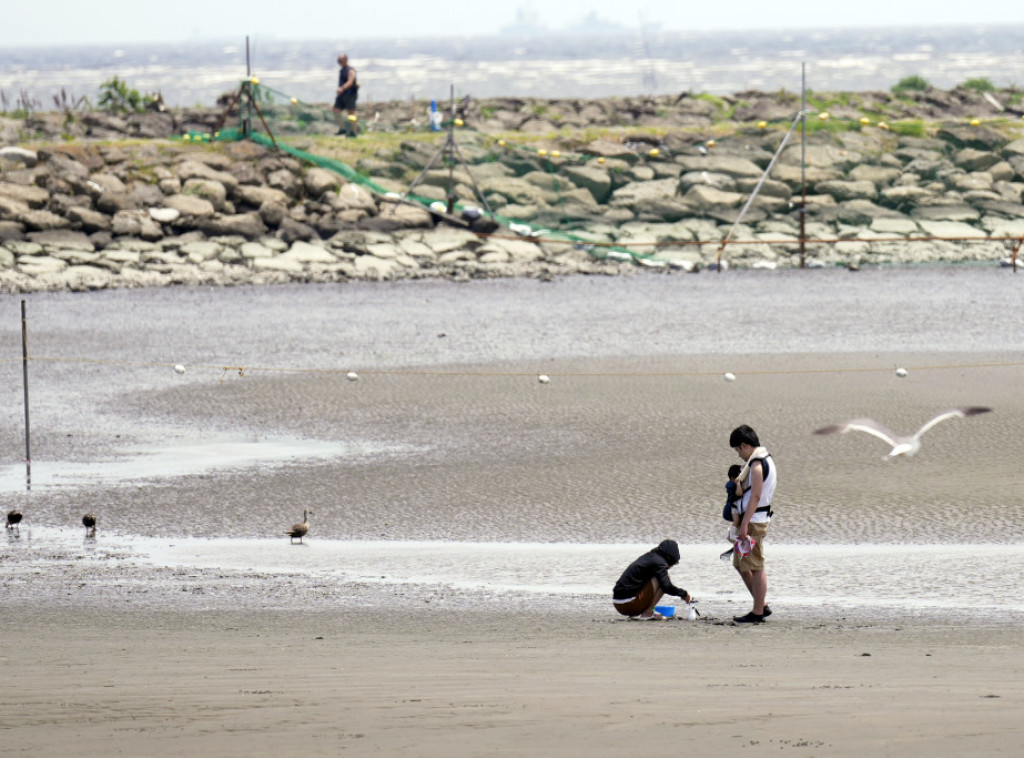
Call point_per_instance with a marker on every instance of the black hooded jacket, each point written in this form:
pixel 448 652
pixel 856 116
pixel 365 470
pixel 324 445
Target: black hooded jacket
pixel 654 563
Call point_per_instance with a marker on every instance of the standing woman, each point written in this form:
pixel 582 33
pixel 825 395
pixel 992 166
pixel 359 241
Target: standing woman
pixel 758 478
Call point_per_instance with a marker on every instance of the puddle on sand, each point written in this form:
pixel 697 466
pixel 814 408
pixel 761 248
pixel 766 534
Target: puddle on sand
pixel 184 460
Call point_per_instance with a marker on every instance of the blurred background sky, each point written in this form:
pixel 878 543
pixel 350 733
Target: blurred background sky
pixel 73 22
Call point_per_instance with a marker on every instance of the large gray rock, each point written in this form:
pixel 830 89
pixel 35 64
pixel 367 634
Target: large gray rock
pixel 164 215
pixel 247 225
pixel 136 223
pixel 11 230
pixel 517 190
pixel 43 220
pixel 207 189
pixel 353 197
pixel 33 197
pixel 62 239
pixel 255 196
pixel 194 169
pixel 880 176
pixel 946 213
pixel 11 209
pixel 273 213
pixel 720 164
pixel 844 190
pixel 971 159
pixel 113 202
pixel 88 219
pixel 821 156
pixel 792 175
pixel 975 181
pixel 595 180
pixel 144 195
pixel 304 252
pixel 769 188
pixel 291 231
pixel 704 196
pixel 718 181
pixel 904 196
pixel 954 229
pixel 609 150
pixel 285 181
pixel 189 205
pixel 1001 172
pixel 22 155
pixel 108 183
pixel 635 194
pixel 319 180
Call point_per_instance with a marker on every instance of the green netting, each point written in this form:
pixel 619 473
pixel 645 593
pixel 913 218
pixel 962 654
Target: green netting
pixel 258 104
pixel 522 228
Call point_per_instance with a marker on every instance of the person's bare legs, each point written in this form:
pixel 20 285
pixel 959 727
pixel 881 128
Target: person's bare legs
pixel 757 586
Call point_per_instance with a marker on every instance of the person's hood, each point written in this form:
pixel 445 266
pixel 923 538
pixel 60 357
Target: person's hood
pixel 669 550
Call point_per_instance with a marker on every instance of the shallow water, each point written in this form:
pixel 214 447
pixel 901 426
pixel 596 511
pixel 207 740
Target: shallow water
pixel 448 470
pixel 537 65
pixel 972 583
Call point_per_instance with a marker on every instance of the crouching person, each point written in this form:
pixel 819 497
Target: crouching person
pixel 646 579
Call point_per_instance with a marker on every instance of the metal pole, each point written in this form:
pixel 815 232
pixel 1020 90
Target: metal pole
pixel 247 87
pixel 451 152
pixel 803 164
pixel 24 369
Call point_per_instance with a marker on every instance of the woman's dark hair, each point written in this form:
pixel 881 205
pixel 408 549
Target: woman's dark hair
pixel 744 434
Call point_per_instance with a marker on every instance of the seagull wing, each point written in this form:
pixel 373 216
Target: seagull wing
pixel 868 425
pixel 973 410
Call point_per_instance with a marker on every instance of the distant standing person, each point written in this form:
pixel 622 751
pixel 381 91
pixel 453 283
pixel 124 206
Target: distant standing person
pixel 645 580
pixel 345 99
pixel 757 478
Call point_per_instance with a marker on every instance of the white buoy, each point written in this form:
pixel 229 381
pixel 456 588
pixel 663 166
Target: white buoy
pixel 901 372
pixel 543 378
pixel 352 376
pixel 179 369
pixel 729 376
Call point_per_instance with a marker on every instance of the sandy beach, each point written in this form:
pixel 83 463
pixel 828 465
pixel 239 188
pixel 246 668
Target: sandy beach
pixel 162 683
pixel 453 594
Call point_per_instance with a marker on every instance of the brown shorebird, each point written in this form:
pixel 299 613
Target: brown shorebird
pixel 13 519
pixel 901 444
pixel 298 531
pixel 89 522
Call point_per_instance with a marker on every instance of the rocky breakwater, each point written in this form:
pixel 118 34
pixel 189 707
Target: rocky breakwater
pixel 87 215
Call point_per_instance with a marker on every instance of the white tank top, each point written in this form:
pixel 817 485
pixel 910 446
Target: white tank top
pixel 767 492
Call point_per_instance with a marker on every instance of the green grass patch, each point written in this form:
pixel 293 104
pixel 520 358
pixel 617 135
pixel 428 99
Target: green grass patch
pixel 913 83
pixel 913 128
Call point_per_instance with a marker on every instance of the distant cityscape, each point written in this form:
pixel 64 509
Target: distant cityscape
pixel 528 23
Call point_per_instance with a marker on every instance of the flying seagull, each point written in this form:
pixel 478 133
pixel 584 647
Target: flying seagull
pixel 901 445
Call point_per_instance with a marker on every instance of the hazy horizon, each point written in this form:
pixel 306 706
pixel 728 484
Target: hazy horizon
pixel 63 22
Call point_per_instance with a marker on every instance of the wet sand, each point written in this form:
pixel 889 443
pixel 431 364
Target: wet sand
pixel 189 624
pixel 167 683
pixel 104 653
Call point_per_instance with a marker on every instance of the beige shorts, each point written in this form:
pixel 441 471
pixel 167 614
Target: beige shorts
pixel 754 561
